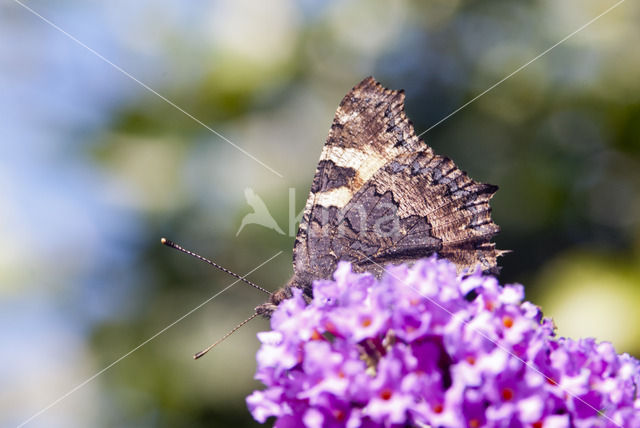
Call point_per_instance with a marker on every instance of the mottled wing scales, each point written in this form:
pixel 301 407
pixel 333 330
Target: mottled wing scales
pixel 369 128
pixel 455 207
pixel 381 195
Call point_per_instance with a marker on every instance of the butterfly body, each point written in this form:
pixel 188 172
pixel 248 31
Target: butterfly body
pixel 381 195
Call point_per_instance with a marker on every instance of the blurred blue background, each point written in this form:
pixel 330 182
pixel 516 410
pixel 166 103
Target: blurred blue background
pixel 94 169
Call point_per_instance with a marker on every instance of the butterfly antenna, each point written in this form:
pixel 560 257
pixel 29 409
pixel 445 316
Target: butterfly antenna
pixel 217 342
pixel 175 246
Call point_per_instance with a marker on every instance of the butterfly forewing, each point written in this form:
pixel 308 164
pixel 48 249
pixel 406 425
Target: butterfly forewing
pixel 380 195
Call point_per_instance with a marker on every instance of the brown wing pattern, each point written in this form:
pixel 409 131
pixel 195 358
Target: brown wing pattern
pixel 381 195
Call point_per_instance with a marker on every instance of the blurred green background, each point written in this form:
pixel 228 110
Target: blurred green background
pixel 94 169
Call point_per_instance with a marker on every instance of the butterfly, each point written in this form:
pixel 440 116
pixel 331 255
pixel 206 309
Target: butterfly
pixel 380 195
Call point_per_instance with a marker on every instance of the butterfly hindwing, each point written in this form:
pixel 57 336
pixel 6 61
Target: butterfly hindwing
pixel 380 195
pixel 438 209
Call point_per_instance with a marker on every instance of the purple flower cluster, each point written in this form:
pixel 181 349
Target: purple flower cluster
pixel 424 346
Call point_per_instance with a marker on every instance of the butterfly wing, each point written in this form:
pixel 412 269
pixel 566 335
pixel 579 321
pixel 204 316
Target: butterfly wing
pixel 381 195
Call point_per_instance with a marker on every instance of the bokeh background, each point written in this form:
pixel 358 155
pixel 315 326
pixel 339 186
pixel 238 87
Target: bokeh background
pixel 94 169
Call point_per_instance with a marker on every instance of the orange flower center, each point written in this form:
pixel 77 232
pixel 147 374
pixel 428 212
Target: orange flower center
pixel 507 321
pixel 507 394
pixel 386 394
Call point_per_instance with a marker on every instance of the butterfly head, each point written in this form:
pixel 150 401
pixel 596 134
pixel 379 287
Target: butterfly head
pixel 284 293
pixel 268 307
